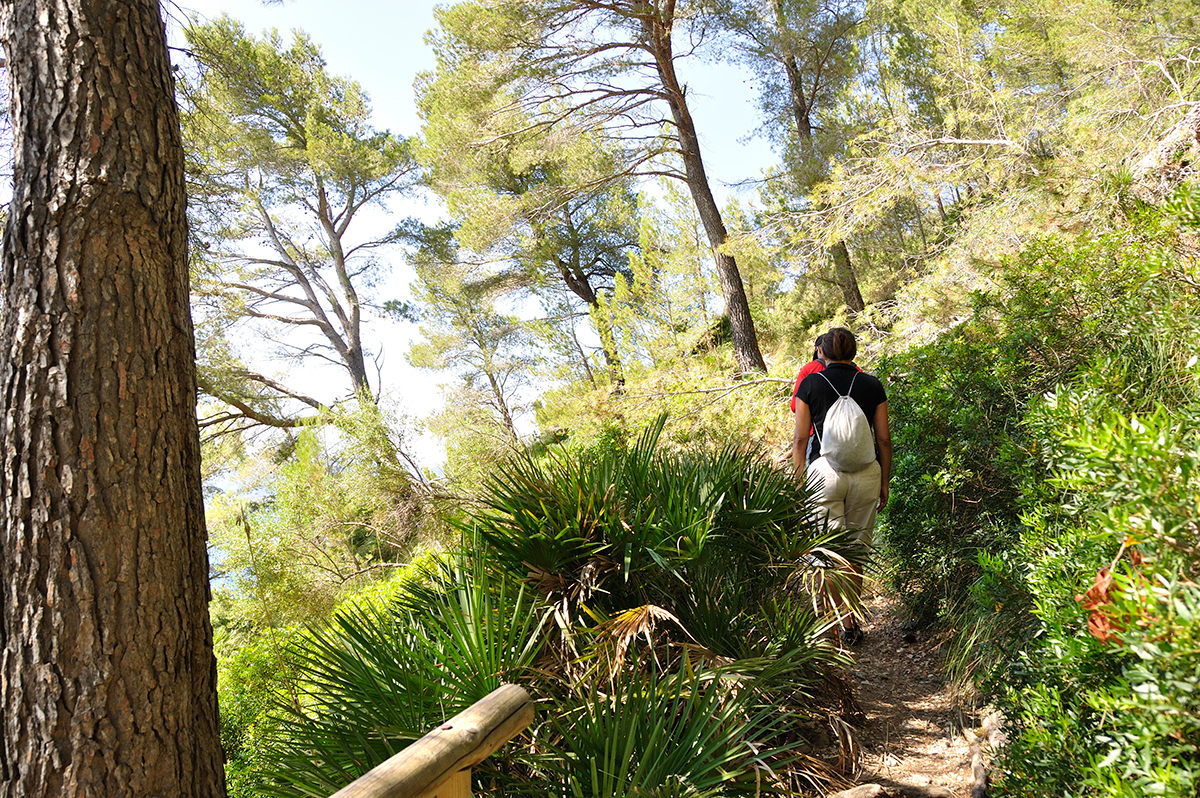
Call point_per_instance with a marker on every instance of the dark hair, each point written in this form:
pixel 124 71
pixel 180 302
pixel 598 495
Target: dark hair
pixel 817 345
pixel 839 344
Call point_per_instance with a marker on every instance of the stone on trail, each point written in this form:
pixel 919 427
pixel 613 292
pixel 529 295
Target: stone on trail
pixel 862 791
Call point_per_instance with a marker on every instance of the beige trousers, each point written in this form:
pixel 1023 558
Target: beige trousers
pixel 850 501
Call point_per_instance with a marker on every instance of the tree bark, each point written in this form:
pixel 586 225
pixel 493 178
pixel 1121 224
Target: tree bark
pixel 799 101
pixel 1171 161
pixel 501 405
pixel 846 277
pixel 107 677
pixel 578 282
pixel 657 32
pixel 608 344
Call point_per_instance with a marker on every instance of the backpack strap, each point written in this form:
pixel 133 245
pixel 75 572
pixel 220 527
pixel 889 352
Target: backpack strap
pixel 835 390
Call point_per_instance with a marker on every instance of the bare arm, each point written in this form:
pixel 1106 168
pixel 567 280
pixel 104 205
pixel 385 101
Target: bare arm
pixel 800 437
pixel 883 436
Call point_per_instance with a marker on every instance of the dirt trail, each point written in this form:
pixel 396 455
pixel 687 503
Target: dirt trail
pixel 916 738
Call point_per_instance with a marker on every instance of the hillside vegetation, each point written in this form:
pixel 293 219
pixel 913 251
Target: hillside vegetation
pixel 996 195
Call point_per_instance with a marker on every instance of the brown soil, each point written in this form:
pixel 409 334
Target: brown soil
pixel 916 732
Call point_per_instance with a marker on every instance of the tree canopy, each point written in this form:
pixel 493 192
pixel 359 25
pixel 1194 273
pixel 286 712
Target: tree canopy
pixel 591 70
pixel 283 162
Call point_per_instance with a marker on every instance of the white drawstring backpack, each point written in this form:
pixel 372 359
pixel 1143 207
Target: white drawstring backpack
pixel 847 444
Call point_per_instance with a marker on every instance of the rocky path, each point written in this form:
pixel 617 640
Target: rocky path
pixel 917 736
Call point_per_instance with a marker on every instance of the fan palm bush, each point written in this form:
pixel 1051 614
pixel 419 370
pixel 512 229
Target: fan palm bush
pixel 378 677
pixel 665 735
pixel 672 562
pixel 659 604
pixel 713 539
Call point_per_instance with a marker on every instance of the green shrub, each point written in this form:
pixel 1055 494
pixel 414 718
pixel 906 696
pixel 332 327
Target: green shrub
pixel 251 681
pixel 1047 446
pixel 967 467
pixel 655 601
pixel 1152 745
pixel 1105 696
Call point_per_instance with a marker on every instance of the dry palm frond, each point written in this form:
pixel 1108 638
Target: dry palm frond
pixel 809 773
pixel 826 576
pixel 848 751
pixel 543 581
pixel 592 576
pixel 627 626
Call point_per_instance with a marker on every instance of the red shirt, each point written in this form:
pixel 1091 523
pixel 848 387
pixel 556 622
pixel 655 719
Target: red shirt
pixel 809 368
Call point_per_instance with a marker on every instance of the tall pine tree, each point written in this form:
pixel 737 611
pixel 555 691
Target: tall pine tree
pixel 108 677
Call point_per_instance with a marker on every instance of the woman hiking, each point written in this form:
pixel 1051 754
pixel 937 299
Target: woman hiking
pixel 849 488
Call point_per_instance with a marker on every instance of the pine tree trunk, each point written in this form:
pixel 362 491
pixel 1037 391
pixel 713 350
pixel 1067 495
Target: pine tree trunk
pixel 608 343
pixel 799 101
pixel 107 677
pixel 501 405
pixel 846 277
pixel 356 364
pixel 802 114
pixel 579 284
pixel 741 323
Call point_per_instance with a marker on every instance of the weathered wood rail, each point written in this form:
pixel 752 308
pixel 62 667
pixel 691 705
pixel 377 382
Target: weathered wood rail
pixel 439 764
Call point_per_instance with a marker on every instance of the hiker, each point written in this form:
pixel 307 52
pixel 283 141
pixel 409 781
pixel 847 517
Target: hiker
pixel 849 479
pixel 816 364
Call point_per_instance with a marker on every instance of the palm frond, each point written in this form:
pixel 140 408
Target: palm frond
pixel 376 678
pixel 664 734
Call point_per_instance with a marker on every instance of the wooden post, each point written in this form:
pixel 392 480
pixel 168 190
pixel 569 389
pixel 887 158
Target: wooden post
pixel 457 786
pixel 439 764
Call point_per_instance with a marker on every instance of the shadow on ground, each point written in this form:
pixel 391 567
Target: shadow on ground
pixel 912 740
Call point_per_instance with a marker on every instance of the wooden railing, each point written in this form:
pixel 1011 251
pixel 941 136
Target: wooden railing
pixel 439 764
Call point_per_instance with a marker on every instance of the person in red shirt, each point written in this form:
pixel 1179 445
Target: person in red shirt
pixel 813 366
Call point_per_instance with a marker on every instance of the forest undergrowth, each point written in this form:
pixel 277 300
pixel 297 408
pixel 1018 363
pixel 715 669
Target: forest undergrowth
pixel 656 595
pixel 993 195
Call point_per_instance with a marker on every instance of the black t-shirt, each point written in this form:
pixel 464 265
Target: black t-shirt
pixel 816 392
